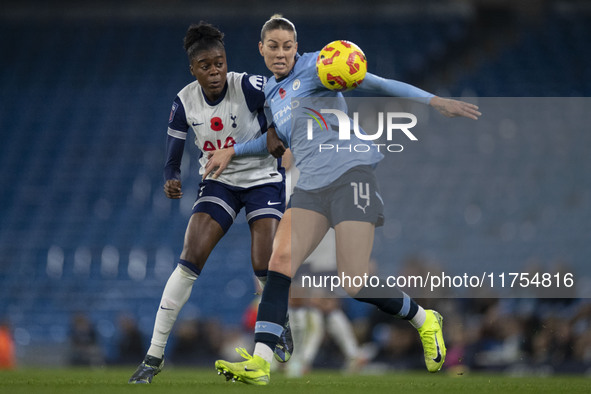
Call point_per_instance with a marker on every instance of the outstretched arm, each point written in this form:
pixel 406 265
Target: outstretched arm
pixel 452 108
pixel 218 160
pixel 389 87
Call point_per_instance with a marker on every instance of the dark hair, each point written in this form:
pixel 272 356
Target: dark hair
pixel 277 21
pixel 201 37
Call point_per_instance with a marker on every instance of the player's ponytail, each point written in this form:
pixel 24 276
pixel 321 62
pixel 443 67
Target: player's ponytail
pixel 200 37
pixel 277 21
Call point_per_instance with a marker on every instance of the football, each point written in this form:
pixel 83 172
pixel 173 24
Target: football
pixel 341 65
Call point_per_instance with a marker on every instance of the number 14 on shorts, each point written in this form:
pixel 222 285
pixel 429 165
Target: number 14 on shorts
pixel 361 195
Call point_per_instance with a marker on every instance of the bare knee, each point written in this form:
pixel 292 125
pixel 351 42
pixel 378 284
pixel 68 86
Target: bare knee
pixel 260 264
pixel 195 256
pixel 281 262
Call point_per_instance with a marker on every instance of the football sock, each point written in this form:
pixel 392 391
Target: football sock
pixel 390 300
pixel 263 351
pixel 262 278
pixel 299 328
pixel 175 295
pixel 339 327
pixel 419 319
pixel 272 313
pixel 314 336
pixel 298 322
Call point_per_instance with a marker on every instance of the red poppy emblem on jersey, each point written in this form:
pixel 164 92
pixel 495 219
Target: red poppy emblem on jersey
pixel 216 124
pixel 282 93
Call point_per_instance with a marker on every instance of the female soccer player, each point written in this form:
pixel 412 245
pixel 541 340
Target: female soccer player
pixel 324 198
pixel 222 108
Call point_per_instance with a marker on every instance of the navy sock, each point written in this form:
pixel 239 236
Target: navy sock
pixel 391 300
pixel 272 309
pixel 190 266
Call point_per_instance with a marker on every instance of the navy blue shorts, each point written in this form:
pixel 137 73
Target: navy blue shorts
pixel 353 196
pixel 223 202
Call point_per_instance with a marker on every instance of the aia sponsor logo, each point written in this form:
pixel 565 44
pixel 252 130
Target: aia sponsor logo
pixel 208 146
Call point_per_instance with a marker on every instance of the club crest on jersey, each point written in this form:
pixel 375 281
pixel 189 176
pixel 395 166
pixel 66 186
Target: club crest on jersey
pixel 216 124
pixel 233 117
pixel 296 84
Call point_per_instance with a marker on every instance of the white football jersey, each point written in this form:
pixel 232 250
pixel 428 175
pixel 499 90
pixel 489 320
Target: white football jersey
pixel 236 117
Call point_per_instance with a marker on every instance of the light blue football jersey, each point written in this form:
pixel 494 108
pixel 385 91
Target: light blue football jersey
pixel 317 168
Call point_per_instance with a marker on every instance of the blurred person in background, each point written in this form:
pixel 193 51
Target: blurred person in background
pixel 197 341
pixel 84 346
pixel 130 344
pixel 7 348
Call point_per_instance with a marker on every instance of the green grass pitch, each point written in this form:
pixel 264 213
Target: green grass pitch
pixel 183 380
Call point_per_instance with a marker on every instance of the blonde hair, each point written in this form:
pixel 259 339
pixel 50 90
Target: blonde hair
pixel 277 21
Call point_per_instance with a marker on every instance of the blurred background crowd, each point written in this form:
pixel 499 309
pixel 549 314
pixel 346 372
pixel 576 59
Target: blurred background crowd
pixel 88 239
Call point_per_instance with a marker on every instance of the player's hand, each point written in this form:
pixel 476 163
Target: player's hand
pixel 274 144
pixel 452 108
pixel 173 189
pixel 217 161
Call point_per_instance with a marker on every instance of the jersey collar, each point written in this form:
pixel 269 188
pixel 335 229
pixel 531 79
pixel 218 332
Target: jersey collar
pixel 219 100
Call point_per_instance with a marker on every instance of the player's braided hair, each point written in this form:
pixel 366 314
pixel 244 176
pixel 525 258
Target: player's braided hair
pixel 202 36
pixel 277 21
